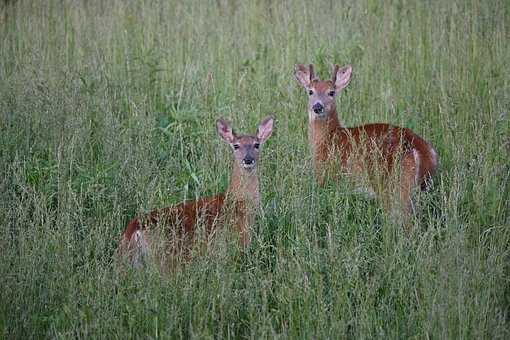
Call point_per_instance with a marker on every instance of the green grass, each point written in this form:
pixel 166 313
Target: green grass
pixel 107 110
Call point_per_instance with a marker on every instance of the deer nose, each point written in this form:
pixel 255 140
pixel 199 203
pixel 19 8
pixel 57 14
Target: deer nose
pixel 318 108
pixel 248 161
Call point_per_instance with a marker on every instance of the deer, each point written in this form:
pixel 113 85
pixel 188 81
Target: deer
pixel 381 159
pixel 176 228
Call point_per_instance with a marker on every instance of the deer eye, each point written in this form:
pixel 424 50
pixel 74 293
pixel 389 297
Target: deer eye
pixel 236 146
pixel 256 145
pixel 310 92
pixel 331 93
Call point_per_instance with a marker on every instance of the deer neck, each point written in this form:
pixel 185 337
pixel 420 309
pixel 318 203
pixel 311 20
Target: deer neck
pixel 244 186
pixel 244 201
pixel 321 133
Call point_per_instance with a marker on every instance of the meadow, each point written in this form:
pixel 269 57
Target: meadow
pixel 107 110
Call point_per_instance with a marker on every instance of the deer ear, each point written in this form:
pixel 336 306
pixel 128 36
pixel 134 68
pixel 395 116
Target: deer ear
pixel 341 76
pixel 304 74
pixel 265 129
pixel 224 130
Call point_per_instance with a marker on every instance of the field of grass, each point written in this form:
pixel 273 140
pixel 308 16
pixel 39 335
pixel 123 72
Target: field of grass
pixel 107 110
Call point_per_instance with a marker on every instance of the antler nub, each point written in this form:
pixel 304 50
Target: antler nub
pixel 334 72
pixel 310 71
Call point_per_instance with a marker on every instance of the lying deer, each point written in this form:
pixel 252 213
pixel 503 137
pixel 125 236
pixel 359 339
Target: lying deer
pixel 176 227
pixel 370 153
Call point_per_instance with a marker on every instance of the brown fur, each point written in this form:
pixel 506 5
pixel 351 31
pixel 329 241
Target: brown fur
pixel 372 149
pixel 175 227
pixel 389 141
pixel 182 220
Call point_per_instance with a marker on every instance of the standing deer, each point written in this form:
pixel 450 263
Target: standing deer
pixel 369 154
pixel 176 227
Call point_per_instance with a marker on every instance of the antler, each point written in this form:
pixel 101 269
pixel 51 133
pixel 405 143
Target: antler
pixel 310 71
pixel 334 72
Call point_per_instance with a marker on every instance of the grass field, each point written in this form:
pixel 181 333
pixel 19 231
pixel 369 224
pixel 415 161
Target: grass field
pixel 107 110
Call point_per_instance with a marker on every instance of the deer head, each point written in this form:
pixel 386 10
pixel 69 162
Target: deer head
pixel 246 148
pixel 322 93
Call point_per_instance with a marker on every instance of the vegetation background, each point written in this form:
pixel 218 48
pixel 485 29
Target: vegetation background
pixel 107 110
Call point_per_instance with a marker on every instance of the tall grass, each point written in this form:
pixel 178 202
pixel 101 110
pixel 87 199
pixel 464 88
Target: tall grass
pixel 107 110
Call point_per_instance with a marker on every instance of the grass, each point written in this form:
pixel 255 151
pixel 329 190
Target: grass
pixel 107 110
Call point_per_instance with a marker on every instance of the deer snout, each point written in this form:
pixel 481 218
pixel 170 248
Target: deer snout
pixel 248 161
pixel 318 108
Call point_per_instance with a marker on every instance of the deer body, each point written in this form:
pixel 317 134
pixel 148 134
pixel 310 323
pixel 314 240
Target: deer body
pixel 237 207
pixel 339 143
pixel 368 152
